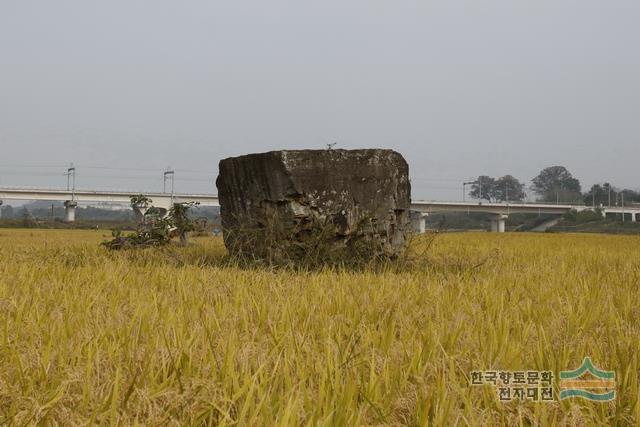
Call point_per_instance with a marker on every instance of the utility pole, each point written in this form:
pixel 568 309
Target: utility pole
pixel 71 176
pixel 558 189
pixel 506 192
pixel 169 174
pixel 593 196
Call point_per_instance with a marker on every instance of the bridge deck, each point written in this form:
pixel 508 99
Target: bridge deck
pixel 164 200
pixel 116 197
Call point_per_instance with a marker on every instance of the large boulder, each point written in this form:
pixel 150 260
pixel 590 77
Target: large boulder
pixel 301 203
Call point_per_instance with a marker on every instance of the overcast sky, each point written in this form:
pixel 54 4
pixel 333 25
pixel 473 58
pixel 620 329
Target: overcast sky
pixel 460 88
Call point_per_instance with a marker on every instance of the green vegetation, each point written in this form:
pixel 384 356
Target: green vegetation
pixel 583 217
pixel 155 229
pixel 506 188
pixel 555 183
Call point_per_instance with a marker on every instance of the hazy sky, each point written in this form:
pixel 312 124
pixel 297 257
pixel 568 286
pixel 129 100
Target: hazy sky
pixel 460 88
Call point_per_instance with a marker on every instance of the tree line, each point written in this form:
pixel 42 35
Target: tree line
pixel 554 184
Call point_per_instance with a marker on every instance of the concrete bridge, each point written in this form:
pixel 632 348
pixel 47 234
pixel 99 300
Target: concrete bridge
pixel 71 198
pixel 499 211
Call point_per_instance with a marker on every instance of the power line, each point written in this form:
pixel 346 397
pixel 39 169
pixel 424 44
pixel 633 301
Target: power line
pixel 155 178
pixel 438 179
pixel 46 174
pixel 143 178
pixel 81 166
pixel 31 166
pixel 142 169
pixel 33 173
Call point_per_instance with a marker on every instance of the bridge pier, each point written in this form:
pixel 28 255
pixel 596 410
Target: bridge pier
pixel 419 221
pixel 498 223
pixel 0 209
pixel 70 210
pixel 633 216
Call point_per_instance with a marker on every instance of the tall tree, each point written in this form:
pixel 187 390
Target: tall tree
pixel 556 183
pixel 484 188
pixel 606 194
pixel 508 188
pixel 631 196
pixel 599 195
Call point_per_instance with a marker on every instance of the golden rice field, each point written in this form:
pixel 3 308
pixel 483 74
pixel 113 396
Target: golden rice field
pixel 179 337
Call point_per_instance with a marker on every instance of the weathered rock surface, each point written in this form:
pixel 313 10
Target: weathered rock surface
pixel 271 202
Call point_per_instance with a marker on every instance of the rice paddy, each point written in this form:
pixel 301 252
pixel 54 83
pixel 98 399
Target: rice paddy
pixel 179 336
